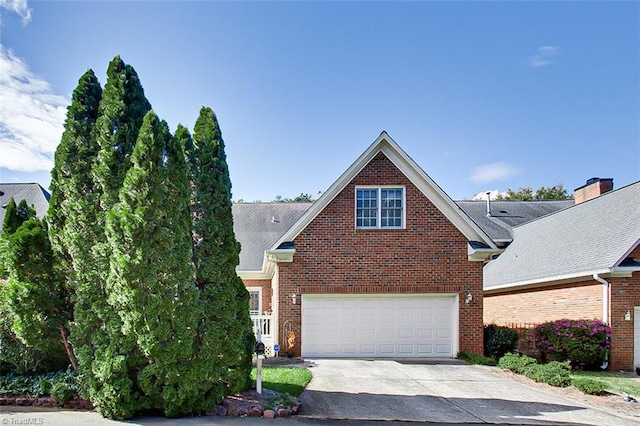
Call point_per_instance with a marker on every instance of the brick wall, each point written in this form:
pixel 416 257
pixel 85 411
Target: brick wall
pixel 625 295
pixel 576 301
pixel 429 256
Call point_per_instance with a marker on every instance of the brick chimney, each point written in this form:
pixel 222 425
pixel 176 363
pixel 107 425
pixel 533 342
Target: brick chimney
pixel 594 187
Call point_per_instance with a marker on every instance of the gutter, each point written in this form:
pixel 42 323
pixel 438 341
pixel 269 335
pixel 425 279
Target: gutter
pixel 605 297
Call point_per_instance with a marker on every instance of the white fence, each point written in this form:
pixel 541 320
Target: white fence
pixel 263 327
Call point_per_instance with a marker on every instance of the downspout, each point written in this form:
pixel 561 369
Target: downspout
pixel 605 298
pixel 605 311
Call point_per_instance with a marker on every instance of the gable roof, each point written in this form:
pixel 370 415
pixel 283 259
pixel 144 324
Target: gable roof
pixel 505 215
pixel 415 174
pixel 593 237
pixel 258 226
pixel 33 193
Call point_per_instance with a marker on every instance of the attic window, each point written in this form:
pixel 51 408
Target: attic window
pixel 379 207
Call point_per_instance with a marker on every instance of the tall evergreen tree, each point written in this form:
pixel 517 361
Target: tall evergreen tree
pixel 71 175
pixel 122 110
pixel 225 337
pixel 152 277
pixel 16 215
pixel 104 352
pixel 70 215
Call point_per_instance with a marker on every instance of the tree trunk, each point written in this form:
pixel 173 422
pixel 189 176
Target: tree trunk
pixel 67 346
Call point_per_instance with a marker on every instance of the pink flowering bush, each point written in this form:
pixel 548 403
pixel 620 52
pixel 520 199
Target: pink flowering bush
pixel 583 343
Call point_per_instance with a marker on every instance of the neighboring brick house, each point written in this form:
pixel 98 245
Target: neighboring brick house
pixel 384 264
pixel 580 262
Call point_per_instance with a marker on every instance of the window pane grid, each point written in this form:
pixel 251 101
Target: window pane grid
pixel 390 209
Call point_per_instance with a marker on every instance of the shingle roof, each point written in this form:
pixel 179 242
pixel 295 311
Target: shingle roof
pixel 505 215
pixel 33 193
pixel 259 225
pixel 592 237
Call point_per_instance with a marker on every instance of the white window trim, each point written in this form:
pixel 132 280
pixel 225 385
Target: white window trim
pixel 259 290
pixel 379 213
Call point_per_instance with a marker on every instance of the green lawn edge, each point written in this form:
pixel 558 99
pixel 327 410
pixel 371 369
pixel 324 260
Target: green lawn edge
pixel 291 380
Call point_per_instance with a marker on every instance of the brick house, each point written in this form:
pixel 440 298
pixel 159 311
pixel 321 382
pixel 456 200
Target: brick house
pixel 580 262
pixel 384 264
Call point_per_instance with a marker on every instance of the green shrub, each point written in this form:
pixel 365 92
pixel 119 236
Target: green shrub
pixel 588 386
pixel 61 385
pixel 478 359
pixel 554 373
pixel 582 343
pixel 516 363
pixel 18 358
pixel 499 340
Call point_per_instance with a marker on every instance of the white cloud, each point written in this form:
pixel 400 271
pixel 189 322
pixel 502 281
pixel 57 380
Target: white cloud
pixel 493 172
pixel 493 194
pixel 543 56
pixel 31 116
pixel 18 6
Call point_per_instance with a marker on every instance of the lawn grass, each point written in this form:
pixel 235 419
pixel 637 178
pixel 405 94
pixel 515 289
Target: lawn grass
pixel 478 359
pixel 613 381
pixel 291 380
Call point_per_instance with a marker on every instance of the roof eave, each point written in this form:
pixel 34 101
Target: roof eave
pixel 547 281
pixel 624 271
pixel 481 254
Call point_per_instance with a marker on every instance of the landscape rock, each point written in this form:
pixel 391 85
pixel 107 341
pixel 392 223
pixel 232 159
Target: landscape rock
pixel 269 414
pixel 283 412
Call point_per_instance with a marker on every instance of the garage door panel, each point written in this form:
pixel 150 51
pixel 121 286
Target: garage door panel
pixel 405 317
pixel 377 326
pixel 443 350
pixel 425 350
pixel 406 350
pixel 387 350
pixel 443 333
pixel 424 318
pixel 405 333
pixel 349 350
pixel 349 334
pixel 386 317
pixel 368 334
pixel 368 350
pixel 387 334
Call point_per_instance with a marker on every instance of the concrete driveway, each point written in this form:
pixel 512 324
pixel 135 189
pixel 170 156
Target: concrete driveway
pixel 439 392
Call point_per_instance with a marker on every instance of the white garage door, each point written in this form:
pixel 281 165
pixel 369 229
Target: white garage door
pixel 411 326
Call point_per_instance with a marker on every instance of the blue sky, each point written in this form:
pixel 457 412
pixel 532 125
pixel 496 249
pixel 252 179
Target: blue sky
pixel 482 95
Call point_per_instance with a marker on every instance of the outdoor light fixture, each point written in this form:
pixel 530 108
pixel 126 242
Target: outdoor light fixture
pixel 294 298
pixel 469 298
